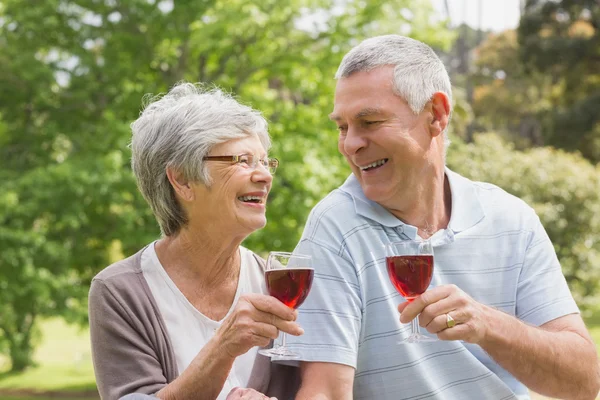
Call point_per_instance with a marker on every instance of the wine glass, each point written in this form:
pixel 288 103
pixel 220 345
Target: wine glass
pixel 289 278
pixel 410 268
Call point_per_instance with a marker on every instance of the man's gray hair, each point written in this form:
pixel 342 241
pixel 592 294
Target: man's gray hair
pixel 178 130
pixel 418 71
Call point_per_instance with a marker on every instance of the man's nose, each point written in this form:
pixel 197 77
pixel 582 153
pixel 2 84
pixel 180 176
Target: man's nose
pixel 354 142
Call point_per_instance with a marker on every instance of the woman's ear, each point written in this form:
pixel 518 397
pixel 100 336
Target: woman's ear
pixel 181 185
pixel 440 108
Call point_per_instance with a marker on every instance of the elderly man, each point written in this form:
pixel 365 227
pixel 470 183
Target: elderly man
pixel 499 305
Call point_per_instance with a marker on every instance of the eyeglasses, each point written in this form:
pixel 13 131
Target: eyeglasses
pixel 248 161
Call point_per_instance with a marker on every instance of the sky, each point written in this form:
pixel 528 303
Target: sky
pixel 496 15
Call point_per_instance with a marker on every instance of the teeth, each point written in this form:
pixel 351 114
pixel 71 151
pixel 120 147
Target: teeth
pixel 249 198
pixel 375 164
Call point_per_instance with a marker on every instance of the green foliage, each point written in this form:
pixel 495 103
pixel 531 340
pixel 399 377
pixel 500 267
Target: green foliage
pixel 462 113
pixel 563 188
pixel 540 85
pixel 506 99
pixel 561 39
pixel 73 76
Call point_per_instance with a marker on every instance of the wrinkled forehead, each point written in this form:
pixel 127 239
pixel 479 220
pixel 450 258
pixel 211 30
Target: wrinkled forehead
pixel 363 93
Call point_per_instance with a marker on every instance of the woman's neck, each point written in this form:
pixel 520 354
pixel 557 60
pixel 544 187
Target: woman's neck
pixel 209 260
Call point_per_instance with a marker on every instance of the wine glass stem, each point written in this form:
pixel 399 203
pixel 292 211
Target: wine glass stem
pixel 414 324
pixel 282 340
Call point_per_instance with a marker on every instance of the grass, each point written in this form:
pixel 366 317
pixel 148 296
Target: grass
pixel 40 398
pixel 65 367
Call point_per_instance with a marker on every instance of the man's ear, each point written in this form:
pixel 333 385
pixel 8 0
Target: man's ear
pixel 181 185
pixel 440 108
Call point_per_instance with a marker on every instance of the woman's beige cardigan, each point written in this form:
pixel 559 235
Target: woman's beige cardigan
pixel 131 349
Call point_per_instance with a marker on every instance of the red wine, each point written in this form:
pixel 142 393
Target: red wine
pixel 410 275
pixel 290 286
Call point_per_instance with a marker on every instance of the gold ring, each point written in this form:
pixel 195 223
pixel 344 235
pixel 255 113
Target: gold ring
pixel 450 322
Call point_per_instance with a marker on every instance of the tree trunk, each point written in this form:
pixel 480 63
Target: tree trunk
pixel 18 337
pixel 21 355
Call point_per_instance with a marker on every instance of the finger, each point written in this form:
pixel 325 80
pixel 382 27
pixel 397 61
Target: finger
pixel 290 327
pixel 251 394
pixel 438 324
pixel 271 305
pixel 259 340
pixel 247 395
pixel 234 394
pixel 402 306
pixel 429 297
pixel 459 332
pixel 432 311
pixel 457 300
pixel 460 316
pixel 267 331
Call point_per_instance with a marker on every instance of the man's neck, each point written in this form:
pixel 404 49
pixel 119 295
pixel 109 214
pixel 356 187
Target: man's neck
pixel 429 206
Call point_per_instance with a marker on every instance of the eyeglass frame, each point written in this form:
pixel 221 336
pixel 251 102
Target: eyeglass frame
pixel 270 165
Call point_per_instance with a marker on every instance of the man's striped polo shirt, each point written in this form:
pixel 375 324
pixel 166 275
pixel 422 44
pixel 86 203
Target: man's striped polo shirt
pixel 495 249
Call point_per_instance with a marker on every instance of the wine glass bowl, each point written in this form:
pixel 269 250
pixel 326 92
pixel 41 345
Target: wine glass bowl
pixel 290 286
pixel 409 265
pixel 410 275
pixel 288 277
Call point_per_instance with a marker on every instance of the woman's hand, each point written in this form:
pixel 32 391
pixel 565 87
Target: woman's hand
pixel 247 394
pixel 256 319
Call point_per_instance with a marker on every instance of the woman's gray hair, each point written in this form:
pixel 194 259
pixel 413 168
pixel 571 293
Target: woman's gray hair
pixel 418 71
pixel 177 130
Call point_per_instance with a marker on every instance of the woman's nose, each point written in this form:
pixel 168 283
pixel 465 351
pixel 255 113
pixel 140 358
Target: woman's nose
pixel 262 174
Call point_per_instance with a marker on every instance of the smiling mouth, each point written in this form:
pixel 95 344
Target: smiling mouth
pixel 374 165
pixel 251 199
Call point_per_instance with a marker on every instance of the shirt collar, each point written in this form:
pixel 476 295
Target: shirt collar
pixel 467 210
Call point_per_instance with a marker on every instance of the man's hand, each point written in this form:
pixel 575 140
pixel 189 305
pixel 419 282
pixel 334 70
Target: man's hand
pixel 247 394
pixel 256 319
pixel 436 304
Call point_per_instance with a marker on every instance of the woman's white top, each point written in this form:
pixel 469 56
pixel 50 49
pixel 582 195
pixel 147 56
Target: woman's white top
pixel 189 329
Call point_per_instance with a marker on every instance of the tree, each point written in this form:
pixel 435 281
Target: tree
pixel 508 99
pixel 562 40
pixel 73 75
pixel 459 62
pixel 563 188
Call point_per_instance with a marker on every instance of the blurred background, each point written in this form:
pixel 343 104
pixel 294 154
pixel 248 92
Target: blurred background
pixel 526 78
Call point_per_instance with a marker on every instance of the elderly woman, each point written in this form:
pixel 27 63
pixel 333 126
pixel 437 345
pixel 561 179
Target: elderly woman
pixel 183 317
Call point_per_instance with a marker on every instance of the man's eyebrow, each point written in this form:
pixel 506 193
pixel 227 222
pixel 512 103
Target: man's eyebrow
pixel 365 112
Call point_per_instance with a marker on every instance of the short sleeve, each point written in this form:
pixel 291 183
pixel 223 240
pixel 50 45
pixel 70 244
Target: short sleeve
pixel 542 293
pixel 331 314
